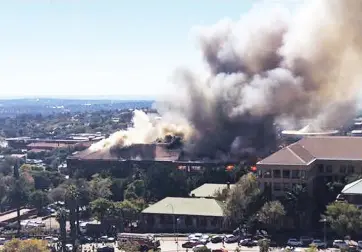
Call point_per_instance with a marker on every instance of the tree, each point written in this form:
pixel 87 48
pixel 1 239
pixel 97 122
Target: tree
pixel 100 187
pixel 39 199
pixel 343 218
pixel 243 200
pixel 25 246
pixel 135 190
pixel 100 207
pixel 129 246
pixel 296 202
pixel 271 214
pixel 62 220
pixel 71 201
pixel 264 245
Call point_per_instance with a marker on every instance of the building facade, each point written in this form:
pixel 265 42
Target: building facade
pixel 184 215
pixel 311 162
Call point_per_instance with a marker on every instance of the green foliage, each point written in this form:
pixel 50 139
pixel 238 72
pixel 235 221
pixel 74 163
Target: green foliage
pixel 312 248
pixel 100 207
pixel 135 190
pixel 202 249
pixel 128 246
pixel 100 187
pixel 343 218
pixel 25 246
pixel 39 199
pixel 243 200
pixel 271 214
pixel 264 245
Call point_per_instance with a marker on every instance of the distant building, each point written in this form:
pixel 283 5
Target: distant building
pixel 312 161
pixel 184 215
pixel 209 190
pixel 352 193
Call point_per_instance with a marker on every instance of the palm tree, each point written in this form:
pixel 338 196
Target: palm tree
pixel 62 219
pixel 296 204
pixel 71 200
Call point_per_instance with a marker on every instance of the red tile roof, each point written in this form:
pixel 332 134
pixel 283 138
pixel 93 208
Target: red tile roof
pixel 309 149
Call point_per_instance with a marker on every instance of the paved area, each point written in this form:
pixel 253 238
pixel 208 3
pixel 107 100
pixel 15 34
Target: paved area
pixel 13 214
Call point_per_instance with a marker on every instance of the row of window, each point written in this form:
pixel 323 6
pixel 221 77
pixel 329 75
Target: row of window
pixel 281 186
pixel 294 174
pixel 345 169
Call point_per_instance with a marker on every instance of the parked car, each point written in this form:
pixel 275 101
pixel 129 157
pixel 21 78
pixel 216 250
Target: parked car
pixel 306 240
pixel 85 239
pixel 248 242
pixel 359 244
pixel 191 243
pixel 339 244
pixel 231 239
pixel 319 244
pixel 69 247
pixel 217 238
pixel 195 236
pixel 293 242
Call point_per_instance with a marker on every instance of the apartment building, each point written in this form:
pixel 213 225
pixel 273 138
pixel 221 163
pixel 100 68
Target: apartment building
pixel 311 161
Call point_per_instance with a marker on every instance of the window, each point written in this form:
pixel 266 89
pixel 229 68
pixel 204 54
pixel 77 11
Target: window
pixel 321 168
pixel 350 169
pixel 303 174
pixel 277 187
pixel 295 174
pixel 276 174
pixel 342 169
pixel 329 169
pixel 203 221
pixel 267 174
pixel 286 186
pixel 286 173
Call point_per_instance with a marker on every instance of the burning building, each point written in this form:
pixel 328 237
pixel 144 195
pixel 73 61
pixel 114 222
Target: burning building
pixel 281 69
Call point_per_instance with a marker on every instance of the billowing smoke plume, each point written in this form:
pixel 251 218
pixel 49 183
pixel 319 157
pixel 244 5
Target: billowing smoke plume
pixel 268 68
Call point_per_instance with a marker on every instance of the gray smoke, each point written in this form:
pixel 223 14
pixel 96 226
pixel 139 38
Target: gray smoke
pixel 267 69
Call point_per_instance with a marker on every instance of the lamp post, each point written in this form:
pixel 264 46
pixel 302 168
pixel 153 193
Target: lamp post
pixel 174 224
pixel 324 220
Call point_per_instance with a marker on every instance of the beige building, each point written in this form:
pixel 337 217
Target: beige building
pixel 310 161
pixel 184 215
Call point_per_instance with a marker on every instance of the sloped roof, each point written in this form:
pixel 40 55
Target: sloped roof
pixel 187 206
pixel 309 149
pixel 208 190
pixel 353 188
pixel 148 152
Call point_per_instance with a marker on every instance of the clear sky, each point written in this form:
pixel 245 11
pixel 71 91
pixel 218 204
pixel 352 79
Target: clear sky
pixel 101 47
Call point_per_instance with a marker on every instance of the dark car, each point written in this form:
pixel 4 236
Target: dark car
pixel 85 239
pixel 191 244
pixel 217 239
pixel 231 239
pixel 248 242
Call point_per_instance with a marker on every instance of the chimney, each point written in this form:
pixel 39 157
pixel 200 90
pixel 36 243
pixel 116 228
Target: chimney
pixel 228 185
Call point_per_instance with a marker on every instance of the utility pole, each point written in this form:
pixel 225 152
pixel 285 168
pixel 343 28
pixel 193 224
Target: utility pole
pixel 17 200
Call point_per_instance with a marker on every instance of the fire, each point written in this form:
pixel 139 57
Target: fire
pixel 230 167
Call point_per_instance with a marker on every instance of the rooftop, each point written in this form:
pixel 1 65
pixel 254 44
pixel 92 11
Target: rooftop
pixel 187 206
pixel 208 190
pixel 45 145
pixel 353 188
pixel 308 149
pixel 133 152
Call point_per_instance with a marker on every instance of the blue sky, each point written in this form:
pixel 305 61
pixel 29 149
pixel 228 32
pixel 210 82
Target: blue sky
pixel 101 47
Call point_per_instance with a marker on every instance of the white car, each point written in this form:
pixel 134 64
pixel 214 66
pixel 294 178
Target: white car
pixel 339 244
pixel 359 244
pixel 69 247
pixel 197 236
pixel 293 242
pixel 2 241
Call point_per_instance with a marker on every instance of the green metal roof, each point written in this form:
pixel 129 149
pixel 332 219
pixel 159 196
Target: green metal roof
pixel 208 190
pixel 187 206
